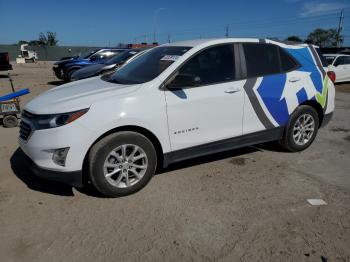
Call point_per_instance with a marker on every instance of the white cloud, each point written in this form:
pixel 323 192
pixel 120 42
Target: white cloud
pixel 313 9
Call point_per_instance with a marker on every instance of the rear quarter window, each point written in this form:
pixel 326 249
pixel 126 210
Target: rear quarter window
pixel 287 62
pixel 322 58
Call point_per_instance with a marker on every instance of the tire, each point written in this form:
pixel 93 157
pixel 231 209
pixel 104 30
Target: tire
pixel 69 74
pixel 298 136
pixel 109 150
pixel 10 121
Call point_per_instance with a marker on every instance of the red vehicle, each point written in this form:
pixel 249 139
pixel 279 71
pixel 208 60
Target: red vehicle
pixel 5 62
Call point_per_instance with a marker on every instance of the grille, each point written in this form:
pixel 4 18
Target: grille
pixel 28 115
pixel 24 131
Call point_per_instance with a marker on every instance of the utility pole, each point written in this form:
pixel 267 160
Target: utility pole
pixel 155 23
pixel 169 37
pixel 340 27
pixel 227 28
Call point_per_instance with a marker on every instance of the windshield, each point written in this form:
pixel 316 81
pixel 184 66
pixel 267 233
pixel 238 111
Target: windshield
pixel 121 57
pixel 148 66
pixel 329 59
pixel 87 54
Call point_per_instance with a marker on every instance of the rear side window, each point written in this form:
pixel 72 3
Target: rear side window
pixel 267 59
pixel 261 59
pixel 213 65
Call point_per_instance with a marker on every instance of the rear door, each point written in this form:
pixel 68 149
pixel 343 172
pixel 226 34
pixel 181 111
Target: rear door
pixel 213 110
pixel 271 87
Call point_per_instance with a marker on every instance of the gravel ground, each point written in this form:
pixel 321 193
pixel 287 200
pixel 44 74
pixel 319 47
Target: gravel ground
pixel 242 205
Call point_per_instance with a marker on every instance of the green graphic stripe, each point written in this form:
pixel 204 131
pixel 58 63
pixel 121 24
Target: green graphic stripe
pixel 321 98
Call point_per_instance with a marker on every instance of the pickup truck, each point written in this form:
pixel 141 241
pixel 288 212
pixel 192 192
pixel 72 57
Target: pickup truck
pixel 5 62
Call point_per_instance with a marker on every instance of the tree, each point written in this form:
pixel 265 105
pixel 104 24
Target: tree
pixel 294 38
pixel 34 42
pixel 21 42
pixel 42 39
pixel 324 37
pixel 48 40
pixel 51 39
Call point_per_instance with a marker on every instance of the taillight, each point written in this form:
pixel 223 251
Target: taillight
pixel 331 76
pixel 7 57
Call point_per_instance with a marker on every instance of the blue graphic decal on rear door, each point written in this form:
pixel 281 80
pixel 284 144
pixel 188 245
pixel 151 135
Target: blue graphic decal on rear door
pixel 270 91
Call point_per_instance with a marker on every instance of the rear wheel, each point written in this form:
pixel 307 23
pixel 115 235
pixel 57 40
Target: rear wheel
pixel 301 129
pixel 122 163
pixel 10 121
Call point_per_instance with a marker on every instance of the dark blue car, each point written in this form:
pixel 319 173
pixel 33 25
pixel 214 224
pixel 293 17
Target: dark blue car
pixel 64 69
pixel 107 66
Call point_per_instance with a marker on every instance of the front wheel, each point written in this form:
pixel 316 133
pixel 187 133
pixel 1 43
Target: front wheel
pixel 68 77
pixel 122 163
pixel 301 129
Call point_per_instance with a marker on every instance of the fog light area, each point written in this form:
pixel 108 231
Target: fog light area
pixel 59 156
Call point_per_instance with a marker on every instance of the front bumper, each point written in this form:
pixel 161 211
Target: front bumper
pixel 74 178
pixel 39 145
pixel 58 72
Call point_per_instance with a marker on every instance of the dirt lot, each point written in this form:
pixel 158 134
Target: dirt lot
pixel 243 205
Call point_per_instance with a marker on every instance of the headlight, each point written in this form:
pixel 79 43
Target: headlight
pixel 56 120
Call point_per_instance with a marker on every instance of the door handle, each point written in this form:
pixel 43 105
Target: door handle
pixel 294 79
pixel 232 90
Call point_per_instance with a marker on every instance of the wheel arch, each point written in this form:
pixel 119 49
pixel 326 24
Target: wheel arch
pixel 137 129
pixel 315 105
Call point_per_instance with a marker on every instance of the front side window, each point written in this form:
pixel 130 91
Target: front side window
pixel 213 65
pixel 261 59
pixel 148 66
pixel 346 60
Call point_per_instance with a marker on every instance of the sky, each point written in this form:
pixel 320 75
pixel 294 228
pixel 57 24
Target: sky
pixel 108 22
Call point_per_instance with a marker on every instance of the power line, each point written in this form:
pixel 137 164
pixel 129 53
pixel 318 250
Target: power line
pixel 246 26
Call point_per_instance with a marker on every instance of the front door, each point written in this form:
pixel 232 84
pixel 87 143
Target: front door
pixel 211 111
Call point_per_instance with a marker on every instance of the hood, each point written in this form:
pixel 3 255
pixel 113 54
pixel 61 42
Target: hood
pixel 81 62
pixel 89 71
pixel 65 61
pixel 76 95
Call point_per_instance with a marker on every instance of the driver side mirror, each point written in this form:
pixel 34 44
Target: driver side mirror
pixel 184 80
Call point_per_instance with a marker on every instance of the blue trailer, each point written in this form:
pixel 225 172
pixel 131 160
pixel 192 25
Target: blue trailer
pixel 10 109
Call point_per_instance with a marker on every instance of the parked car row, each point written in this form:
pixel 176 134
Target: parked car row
pixel 174 102
pixel 64 69
pixel 109 65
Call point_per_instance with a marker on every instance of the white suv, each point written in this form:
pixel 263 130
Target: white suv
pixel 340 64
pixel 175 102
